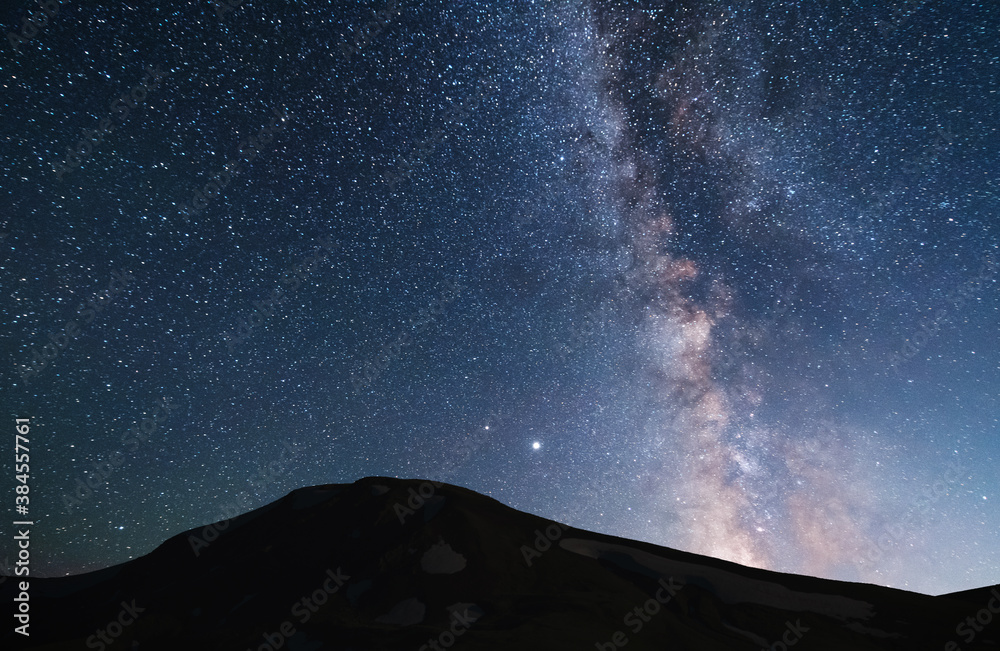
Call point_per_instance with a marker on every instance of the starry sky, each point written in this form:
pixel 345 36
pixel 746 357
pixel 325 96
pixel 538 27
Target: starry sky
pixel 717 276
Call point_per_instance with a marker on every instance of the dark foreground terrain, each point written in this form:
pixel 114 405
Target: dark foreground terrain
pixel 400 564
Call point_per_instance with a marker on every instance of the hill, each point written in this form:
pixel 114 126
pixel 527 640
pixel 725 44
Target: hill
pixel 402 564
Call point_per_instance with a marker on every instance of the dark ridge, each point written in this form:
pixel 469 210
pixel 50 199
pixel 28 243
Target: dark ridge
pixel 387 563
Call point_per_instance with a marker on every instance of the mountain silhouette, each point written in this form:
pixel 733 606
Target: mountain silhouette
pixel 387 563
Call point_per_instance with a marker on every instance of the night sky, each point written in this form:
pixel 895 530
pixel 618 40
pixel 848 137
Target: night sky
pixel 718 276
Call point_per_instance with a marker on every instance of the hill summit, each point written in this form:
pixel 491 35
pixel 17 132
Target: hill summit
pixel 386 563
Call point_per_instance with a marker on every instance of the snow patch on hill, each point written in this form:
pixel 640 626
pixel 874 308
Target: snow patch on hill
pixel 730 587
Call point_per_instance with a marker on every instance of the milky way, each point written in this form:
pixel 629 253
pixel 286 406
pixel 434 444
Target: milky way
pixel 721 480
